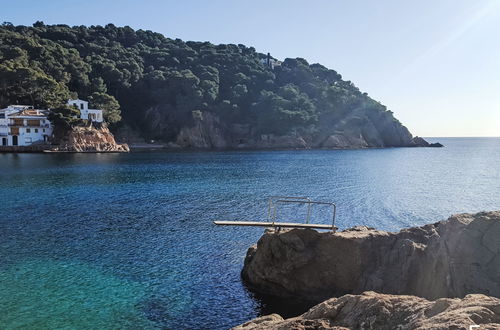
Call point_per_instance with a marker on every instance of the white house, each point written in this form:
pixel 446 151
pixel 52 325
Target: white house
pixel 86 113
pixel 21 125
pixel 269 62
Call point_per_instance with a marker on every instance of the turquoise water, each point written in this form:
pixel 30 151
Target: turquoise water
pixel 127 241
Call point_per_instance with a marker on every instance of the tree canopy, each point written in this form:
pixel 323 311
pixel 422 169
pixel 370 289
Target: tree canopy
pixel 126 72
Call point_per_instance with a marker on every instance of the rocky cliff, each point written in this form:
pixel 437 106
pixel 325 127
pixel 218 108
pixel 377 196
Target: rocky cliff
pixel 372 310
pixel 208 131
pixel 451 258
pixel 92 138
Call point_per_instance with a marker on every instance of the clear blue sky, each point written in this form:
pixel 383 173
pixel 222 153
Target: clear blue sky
pixel 435 63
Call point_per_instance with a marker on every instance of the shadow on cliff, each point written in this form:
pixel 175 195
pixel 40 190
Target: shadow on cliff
pixel 269 304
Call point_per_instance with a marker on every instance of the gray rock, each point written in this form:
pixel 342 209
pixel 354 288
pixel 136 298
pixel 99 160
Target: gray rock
pixel 372 310
pixel 451 258
pixel 207 131
pixel 420 142
pixel 343 141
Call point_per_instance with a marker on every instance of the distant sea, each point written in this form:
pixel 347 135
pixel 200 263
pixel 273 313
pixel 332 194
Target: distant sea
pixel 127 241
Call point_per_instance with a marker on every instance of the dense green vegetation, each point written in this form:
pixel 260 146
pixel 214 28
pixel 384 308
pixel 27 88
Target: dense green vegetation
pixel 126 72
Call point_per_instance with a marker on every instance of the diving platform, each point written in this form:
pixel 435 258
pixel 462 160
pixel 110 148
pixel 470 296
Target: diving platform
pixel 274 202
pixel 274 224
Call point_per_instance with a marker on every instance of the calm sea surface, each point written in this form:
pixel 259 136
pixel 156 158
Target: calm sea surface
pixel 127 241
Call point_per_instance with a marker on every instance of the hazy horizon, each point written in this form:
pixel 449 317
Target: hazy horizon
pixel 434 64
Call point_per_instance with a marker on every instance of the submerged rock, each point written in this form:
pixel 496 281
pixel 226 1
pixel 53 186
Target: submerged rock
pixel 451 258
pixel 372 310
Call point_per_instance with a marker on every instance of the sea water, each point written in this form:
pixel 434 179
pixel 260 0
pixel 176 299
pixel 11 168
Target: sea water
pixel 127 240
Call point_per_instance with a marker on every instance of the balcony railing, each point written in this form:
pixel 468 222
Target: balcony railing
pixel 27 125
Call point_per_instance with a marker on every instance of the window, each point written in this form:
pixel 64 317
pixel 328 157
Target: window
pixel 28 130
pixel 44 130
pixel 36 130
pixel 32 122
pixel 81 106
pixel 74 104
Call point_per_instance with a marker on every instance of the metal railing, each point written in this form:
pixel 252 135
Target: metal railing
pixel 275 200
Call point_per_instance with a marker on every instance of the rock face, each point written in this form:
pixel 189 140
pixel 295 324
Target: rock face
pixel 372 310
pixel 208 131
pixel 451 258
pixel 95 138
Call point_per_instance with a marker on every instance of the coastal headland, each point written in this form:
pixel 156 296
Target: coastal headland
pixel 187 95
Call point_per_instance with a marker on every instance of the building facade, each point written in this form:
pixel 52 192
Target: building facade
pixel 94 115
pixel 21 125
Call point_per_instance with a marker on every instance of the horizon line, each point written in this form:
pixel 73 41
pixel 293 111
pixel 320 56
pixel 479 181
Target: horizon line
pixel 439 137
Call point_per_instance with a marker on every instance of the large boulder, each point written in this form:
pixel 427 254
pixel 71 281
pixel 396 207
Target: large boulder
pixel 343 141
pixel 94 137
pixel 451 258
pixel 372 310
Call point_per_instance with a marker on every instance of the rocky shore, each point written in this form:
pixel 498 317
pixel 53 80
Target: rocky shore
pixel 372 310
pixel 449 259
pixel 209 132
pixel 94 138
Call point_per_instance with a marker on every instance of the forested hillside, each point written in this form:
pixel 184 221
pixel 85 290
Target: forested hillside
pixel 194 94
